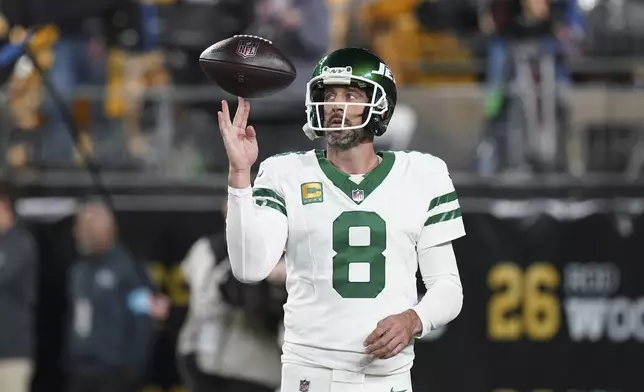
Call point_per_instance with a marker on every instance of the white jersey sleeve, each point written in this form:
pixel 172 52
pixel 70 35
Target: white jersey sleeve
pixel 443 300
pixel 443 222
pixel 257 225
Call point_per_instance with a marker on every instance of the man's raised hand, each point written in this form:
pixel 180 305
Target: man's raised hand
pixel 240 142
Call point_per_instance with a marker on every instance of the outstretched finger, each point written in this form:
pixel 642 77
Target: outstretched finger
pixel 226 113
pixel 225 129
pixel 222 124
pixel 239 114
pixel 246 114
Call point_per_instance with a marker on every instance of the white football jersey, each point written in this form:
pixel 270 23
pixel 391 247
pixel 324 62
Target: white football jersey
pixel 351 252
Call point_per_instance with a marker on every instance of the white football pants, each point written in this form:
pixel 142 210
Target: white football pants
pixel 298 378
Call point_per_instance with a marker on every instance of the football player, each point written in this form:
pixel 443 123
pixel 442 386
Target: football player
pixel 356 224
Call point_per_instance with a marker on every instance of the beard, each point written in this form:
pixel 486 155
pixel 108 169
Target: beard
pixel 345 139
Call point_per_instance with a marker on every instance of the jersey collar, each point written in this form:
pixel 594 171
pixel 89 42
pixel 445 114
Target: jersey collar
pixel 357 192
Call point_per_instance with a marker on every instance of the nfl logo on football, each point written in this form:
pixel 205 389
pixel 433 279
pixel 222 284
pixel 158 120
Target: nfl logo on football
pixel 247 48
pixel 357 195
pixel 304 385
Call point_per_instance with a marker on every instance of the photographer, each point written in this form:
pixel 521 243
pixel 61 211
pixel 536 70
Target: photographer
pixel 229 340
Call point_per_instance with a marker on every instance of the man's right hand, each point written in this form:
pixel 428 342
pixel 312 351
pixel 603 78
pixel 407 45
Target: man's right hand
pixel 240 142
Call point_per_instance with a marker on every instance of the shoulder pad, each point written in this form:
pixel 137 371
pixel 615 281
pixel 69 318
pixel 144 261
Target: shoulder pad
pixel 425 160
pixel 278 164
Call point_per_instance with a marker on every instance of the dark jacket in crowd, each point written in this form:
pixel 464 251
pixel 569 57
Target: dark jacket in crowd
pixel 110 330
pixel 305 44
pixel 18 271
pixel 263 300
pixel 510 23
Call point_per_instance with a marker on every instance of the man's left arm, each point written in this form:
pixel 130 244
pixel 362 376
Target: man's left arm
pixel 441 304
pixel 436 258
pixel 444 297
pixel 443 301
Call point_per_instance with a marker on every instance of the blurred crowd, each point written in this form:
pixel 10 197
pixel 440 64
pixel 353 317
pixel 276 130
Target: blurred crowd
pixel 122 85
pixel 103 60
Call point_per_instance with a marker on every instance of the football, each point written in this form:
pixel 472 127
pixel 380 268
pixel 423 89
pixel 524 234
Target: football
pixel 247 66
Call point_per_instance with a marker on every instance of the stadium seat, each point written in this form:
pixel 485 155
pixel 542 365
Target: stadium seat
pixel 394 32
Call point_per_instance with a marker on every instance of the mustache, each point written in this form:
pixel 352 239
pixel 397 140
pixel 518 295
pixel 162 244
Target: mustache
pixel 339 117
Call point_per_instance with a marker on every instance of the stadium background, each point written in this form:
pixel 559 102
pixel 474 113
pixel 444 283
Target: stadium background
pixel 551 265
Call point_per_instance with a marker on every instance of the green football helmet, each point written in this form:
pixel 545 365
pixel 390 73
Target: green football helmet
pixel 359 68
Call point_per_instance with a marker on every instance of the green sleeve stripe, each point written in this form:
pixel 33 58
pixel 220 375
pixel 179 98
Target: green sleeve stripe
pixel 262 198
pixel 272 204
pixel 443 217
pixel 265 192
pixel 446 198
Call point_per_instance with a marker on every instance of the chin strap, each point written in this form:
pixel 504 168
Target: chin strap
pixel 310 133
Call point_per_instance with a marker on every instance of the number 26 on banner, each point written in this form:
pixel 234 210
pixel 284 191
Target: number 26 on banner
pixel 523 304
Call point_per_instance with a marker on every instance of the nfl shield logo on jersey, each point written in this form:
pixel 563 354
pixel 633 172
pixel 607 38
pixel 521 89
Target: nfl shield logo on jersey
pixel 247 48
pixel 357 195
pixel 304 385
